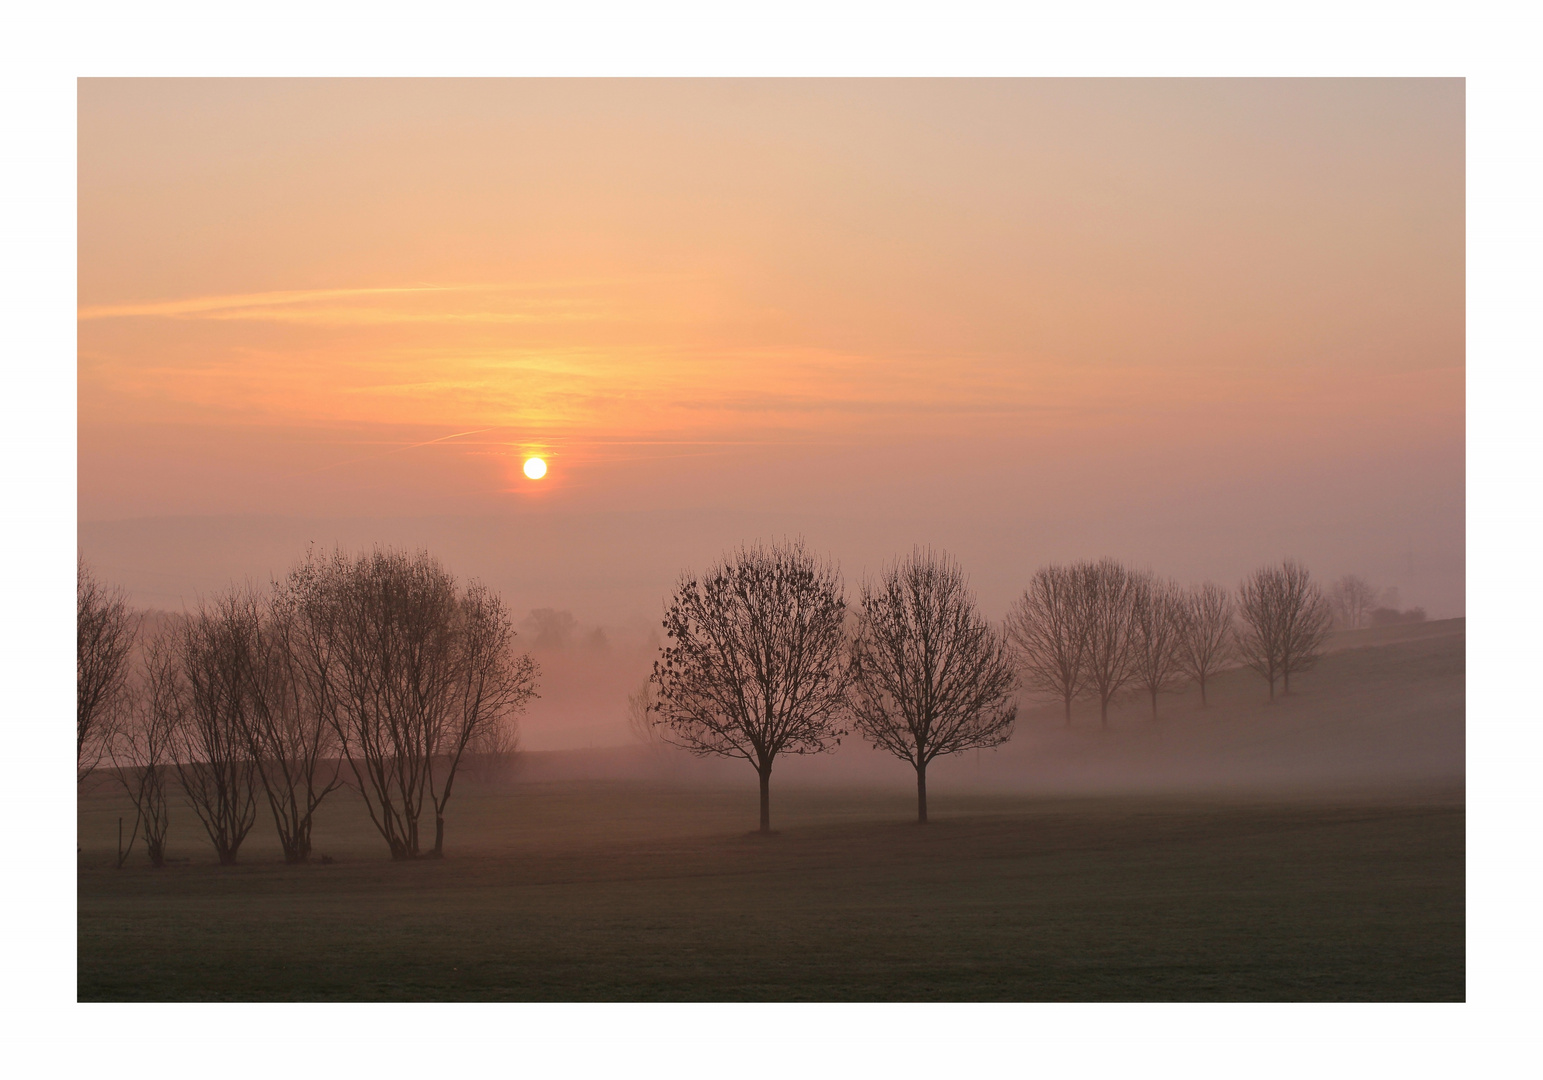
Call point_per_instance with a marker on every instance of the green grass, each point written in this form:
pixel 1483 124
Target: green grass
pixel 594 890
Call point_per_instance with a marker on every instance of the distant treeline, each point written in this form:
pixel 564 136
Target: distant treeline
pixel 382 673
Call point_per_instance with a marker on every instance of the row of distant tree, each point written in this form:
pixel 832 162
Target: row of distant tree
pixel 762 658
pixel 382 673
pixel 1357 603
pixel 379 672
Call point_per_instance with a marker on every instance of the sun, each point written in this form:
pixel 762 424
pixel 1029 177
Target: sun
pixel 535 468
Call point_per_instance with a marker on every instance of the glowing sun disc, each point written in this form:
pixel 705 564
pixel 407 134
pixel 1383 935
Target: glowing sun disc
pixel 535 468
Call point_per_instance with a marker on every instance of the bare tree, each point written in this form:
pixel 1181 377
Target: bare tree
pixel 1107 594
pixel 285 728
pixel 929 676
pixel 1284 622
pixel 1306 622
pixel 755 667
pixel 105 629
pixel 1157 622
pixel 641 717
pixel 1047 628
pixel 493 684
pixel 214 763
pixel 141 745
pixel 410 671
pixel 494 752
pixel 1205 633
pixel 1352 599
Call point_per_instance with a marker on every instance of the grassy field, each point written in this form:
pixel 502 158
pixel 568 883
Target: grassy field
pixel 1308 850
pixel 1000 898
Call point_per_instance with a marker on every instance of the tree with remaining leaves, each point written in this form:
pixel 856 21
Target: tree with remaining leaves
pixel 754 666
pixel 1205 633
pixel 1107 593
pixel 1157 621
pixel 1050 636
pixel 929 676
pixel 1284 621
pixel 105 629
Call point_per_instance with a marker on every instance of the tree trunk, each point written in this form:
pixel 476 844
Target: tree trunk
pixel 765 772
pixel 1103 713
pixel 921 794
pixel 1154 704
pixel 1202 694
pixel 1285 682
pixel 1068 711
pixel 1272 687
pixel 439 836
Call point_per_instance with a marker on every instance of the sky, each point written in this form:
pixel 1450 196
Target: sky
pixel 1198 325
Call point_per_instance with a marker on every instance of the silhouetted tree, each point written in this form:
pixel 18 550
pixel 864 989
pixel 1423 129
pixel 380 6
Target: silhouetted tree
pixel 142 743
pixel 493 684
pixel 1050 635
pixel 1107 594
pixel 411 672
pixel 1157 623
pixel 214 763
pixel 641 717
pixel 494 752
pixel 286 730
pixel 929 676
pixel 755 663
pixel 1352 599
pixel 1284 622
pixel 105 629
pixel 551 629
pixel 1205 633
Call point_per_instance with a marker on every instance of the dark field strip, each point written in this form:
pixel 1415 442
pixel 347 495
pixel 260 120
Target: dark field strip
pixel 1074 900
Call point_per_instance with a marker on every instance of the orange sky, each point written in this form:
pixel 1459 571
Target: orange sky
pixel 1194 324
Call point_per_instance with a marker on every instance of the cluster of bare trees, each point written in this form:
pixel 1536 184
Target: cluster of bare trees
pixel 1093 629
pixel 379 672
pixel 764 658
pixel 1356 603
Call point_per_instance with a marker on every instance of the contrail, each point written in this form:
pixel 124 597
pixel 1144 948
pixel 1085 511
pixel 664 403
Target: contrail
pixel 394 450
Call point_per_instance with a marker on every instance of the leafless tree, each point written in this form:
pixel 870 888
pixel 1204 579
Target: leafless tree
pixel 1158 632
pixel 1352 599
pixel 285 727
pixel 215 766
pixel 1049 633
pixel 493 684
pixel 1107 594
pixel 755 664
pixel 1284 622
pixel 410 672
pixel 1205 633
pixel 494 752
pixel 641 717
pixel 105 630
pixel 929 676
pixel 550 628
pixel 142 744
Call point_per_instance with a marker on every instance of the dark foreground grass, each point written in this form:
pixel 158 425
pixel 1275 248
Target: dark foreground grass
pixel 595 891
